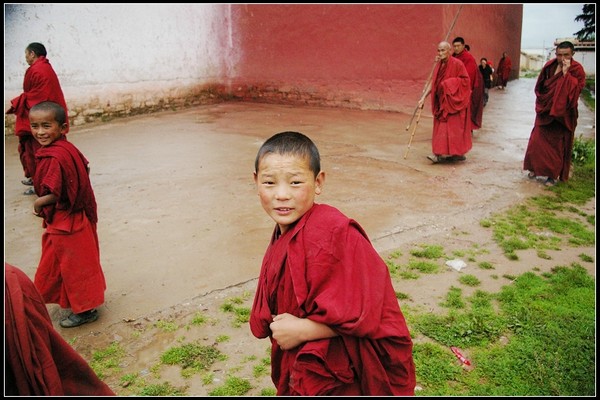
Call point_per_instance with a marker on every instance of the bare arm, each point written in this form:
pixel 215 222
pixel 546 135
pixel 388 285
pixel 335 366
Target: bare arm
pixel 290 331
pixel 40 202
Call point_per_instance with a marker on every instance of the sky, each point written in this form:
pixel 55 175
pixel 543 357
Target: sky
pixel 543 23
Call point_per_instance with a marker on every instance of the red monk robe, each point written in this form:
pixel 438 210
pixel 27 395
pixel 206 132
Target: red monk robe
pixel 69 272
pixel 503 71
pixel 550 147
pixel 477 88
pixel 38 361
pixel 40 84
pixel 325 269
pixel 450 104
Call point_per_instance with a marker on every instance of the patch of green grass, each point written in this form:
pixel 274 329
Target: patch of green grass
pixel 268 392
pixel 408 275
pixel 167 326
pixel 161 389
pixel 233 386
pixel 432 252
pixel 485 265
pixel 105 362
pixel 588 94
pixel 222 338
pixel 454 299
pixel 426 267
pixel 534 338
pixel 192 357
pixel 535 225
pixel 469 280
pixel 402 296
pixel 586 258
pixel 198 319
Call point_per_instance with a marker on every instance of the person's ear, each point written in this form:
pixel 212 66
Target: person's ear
pixel 319 182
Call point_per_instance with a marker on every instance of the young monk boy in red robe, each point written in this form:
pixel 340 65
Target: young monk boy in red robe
pixel 69 272
pixel 38 361
pixel 324 297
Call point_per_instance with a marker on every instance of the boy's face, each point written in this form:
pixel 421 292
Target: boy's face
pixel 44 127
pixel 286 187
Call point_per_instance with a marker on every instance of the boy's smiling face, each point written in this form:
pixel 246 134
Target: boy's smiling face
pixel 44 126
pixel 287 187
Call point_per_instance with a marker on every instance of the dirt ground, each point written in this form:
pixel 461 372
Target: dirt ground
pixel 182 231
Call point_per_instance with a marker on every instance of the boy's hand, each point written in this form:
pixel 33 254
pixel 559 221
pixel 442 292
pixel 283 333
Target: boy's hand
pixel 286 328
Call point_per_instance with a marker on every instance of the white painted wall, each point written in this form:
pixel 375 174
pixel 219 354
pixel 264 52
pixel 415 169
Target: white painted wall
pixel 103 51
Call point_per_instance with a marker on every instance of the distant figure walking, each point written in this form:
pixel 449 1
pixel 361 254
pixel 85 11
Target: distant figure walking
pixel 503 71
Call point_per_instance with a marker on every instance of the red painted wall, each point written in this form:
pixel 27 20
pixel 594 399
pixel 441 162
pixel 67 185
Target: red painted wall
pixel 358 56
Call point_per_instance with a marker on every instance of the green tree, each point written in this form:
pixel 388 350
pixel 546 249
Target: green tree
pixel 589 23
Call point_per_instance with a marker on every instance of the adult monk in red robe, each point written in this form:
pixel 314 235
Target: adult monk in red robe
pixel 450 104
pixel 69 272
pixel 40 84
pixel 477 83
pixel 503 71
pixel 324 297
pixel 557 90
pixel 38 361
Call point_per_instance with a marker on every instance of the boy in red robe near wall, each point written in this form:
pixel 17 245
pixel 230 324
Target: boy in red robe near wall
pixel 40 84
pixel 69 272
pixel 550 148
pixel 324 297
pixel 38 361
pixel 477 83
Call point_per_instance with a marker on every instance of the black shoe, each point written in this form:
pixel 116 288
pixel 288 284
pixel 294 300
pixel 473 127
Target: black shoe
pixel 29 191
pixel 27 182
pixel 74 320
pixel 458 158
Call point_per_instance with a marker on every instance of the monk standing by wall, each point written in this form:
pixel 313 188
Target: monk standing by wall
pixel 40 84
pixel 450 104
pixel 557 90
pixel 477 84
pixel 503 71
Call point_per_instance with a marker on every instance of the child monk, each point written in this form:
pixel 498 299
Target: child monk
pixel 69 272
pixel 324 297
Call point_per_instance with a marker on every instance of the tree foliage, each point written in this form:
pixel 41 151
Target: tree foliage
pixel 588 17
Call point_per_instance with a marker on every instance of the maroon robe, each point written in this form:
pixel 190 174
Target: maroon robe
pixel 550 147
pixel 451 105
pixel 40 84
pixel 69 272
pixel 325 269
pixel 503 71
pixel 477 88
pixel 38 361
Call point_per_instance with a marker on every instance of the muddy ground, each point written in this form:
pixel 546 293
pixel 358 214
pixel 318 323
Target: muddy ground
pixel 182 231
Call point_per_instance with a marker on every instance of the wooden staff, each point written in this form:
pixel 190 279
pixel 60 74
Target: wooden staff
pixel 418 111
